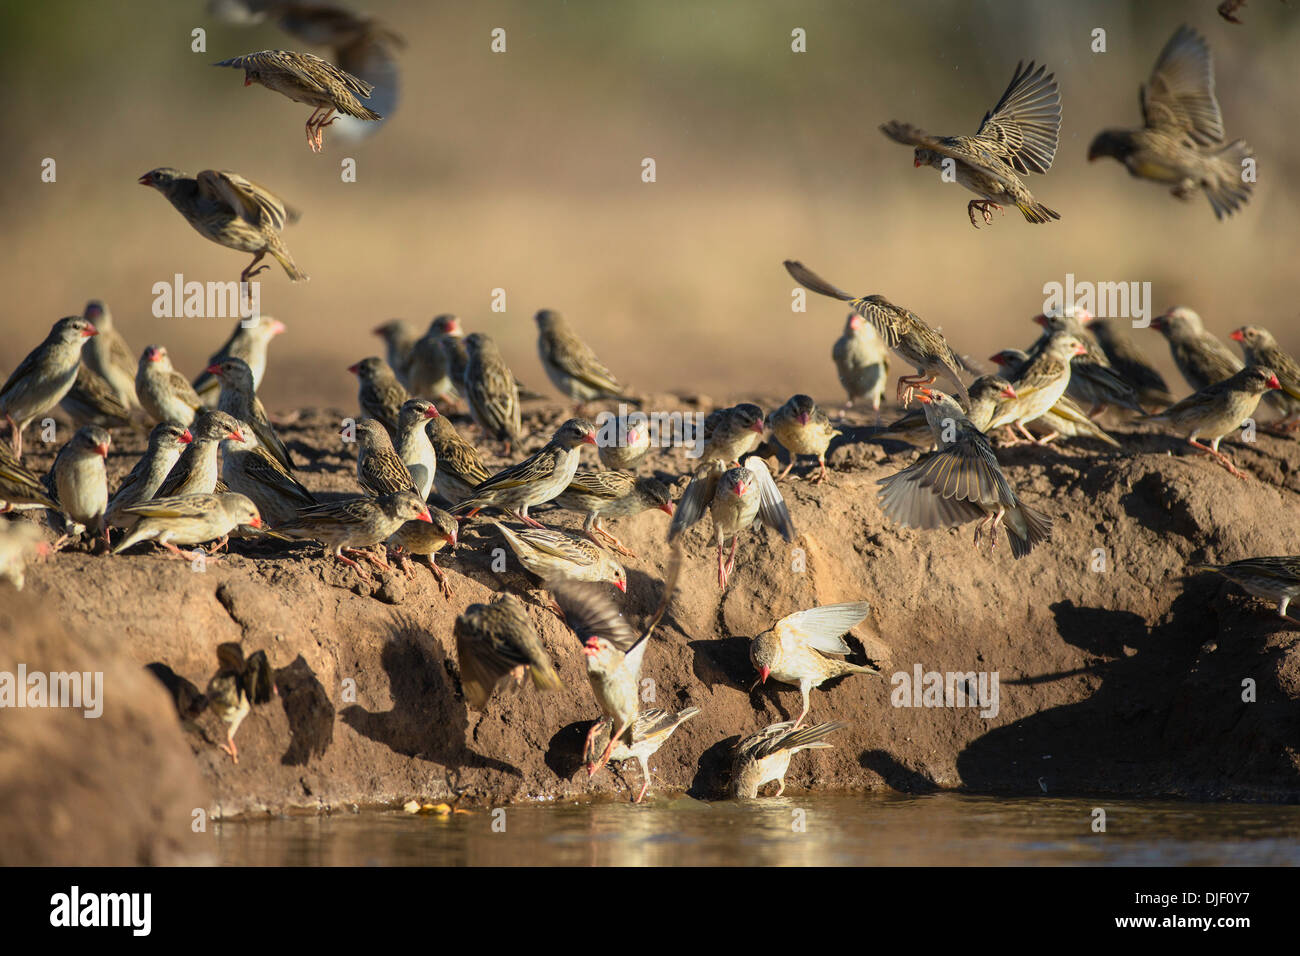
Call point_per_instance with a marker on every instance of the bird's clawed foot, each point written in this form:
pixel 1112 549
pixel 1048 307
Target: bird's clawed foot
pixel 983 205
pixel 601 536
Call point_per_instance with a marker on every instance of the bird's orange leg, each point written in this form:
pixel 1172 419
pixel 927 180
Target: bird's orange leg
pixel 599 535
pixel 249 271
pixel 1223 459
pixel 15 437
pixel 365 575
pixel 907 384
pixel 821 475
pixel 983 205
pixel 441 577
pixel 229 746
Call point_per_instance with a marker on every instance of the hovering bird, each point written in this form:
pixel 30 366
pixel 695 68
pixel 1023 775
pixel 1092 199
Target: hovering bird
pixel 1181 141
pixel 1019 135
pixel 306 78
pixel 496 644
pixel 239 683
pixel 231 211
pixel 650 731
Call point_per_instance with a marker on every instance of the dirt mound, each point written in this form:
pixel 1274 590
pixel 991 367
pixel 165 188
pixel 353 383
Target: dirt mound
pixel 1114 675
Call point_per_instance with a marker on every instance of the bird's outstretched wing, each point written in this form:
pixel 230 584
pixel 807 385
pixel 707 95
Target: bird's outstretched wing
pixel 771 506
pixel 697 496
pixel 1179 96
pixel 1025 125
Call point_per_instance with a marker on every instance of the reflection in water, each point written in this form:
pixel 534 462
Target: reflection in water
pixel 811 829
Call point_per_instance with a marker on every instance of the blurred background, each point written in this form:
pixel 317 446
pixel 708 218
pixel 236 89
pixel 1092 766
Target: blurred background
pixel 522 171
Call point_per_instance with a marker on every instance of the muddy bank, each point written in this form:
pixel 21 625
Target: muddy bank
pixel 1115 677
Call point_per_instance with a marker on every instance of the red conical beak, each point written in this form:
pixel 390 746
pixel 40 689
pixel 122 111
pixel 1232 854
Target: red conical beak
pixel 763 673
pixel 1274 383
pixel 354 369
pixel 1008 392
pixel 431 412
pixel 101 450
pixel 589 438
pixel 213 369
pixel 88 331
pixel 667 508
pixel 424 516
pixel 236 435
pixel 621 585
pixel 255 523
pixel 1237 336
pixel 186 437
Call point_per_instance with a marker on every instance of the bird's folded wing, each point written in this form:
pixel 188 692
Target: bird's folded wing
pixel 177 506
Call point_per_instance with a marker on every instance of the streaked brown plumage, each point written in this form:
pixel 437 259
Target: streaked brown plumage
pixel 164 393
pixel 596 494
pixel 496 644
pixel 430 368
pixel 425 539
pixel 414 446
pixel 248 469
pixel 650 731
pixel 558 555
pixel 460 469
pixel 351 524
pixel 195 472
pixel 165 444
pixel 1201 358
pixel 239 401
pixel 862 362
pixel 42 378
pixel 803 429
pixel 189 519
pixel 108 355
pixel 92 401
pixel 379 394
pixel 765 756
pixel 81 482
pixel 250 344
pixel 622 452
pixel 20 487
pixel 379 469
pixel 733 432
pixel 1274 579
pixel 571 365
pixel 490 391
pixel 1128 360
pixel 398 339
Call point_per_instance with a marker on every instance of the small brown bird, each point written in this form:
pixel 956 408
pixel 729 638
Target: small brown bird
pixel 990 406
pixel 21 488
pixel 429 368
pixel 414 447
pixel 250 344
pixel 231 211
pixel 195 472
pixel 571 365
pixel 733 432
pixel 650 731
pixel 1092 381
pixel 164 393
pixel 736 498
pixel 1273 579
pixel 42 378
pixel 1201 358
pixel 306 78
pixel 496 644
pixel 490 391
pixel 803 429
pixel 1261 348
pixel 107 354
pixel 613 650
pixel 249 469
pixel 81 484
pixel 556 555
pixel 460 470
pixel 630 446
pixel 1127 359
pixel 379 393
pixel 240 401
pixel 1019 135
pixel 92 401
pixel 379 469
pixel 795 649
pixel 1041 383
pixel 425 539
pixel 398 339
pixel 903 331
pixel 597 494
pixel 960 482
pixel 862 362
pixel 351 524
pixel 189 519
pixel 165 444
pixel 1181 139
pixel 238 684
pixel 540 477
pixel 1219 409
pixel 765 756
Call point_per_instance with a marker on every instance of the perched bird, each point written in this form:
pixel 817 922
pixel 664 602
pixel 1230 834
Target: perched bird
pixel 1127 359
pixel 188 519
pixel 490 391
pixel 250 470
pixel 795 649
pixel 351 524
pixel 1219 409
pixel 164 393
pixel 414 447
pixel 862 362
pixel 42 378
pixel 1092 381
pixel 142 483
pixel 306 78
pixel 650 731
pixel 398 340
pixel 379 393
pixel 20 542
pixel 765 756
pixel 538 478
pixel 1273 579
pixel 1261 348
pixel 1181 141
pixel 425 539
pixel 496 645
pixel 1019 135
pixel 597 494
pixel 803 429
pixel 631 444
pixel 730 433
pixel 107 354
pixel 1065 418
pixel 80 482
pixel 571 365
pixel 195 472
pixel 1201 358
pixel 379 469
pixel 238 684
pixel 903 331
pixel 429 368
pixel 1040 384
pixel 460 470
pixel 240 401
pixel 959 482
pixel 92 401
pixel 231 211
pixel 21 488
pixel 557 555
pixel 614 652
pixel 249 344
pixel 735 498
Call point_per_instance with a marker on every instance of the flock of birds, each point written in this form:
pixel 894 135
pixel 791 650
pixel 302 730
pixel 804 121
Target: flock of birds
pixel 215 466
